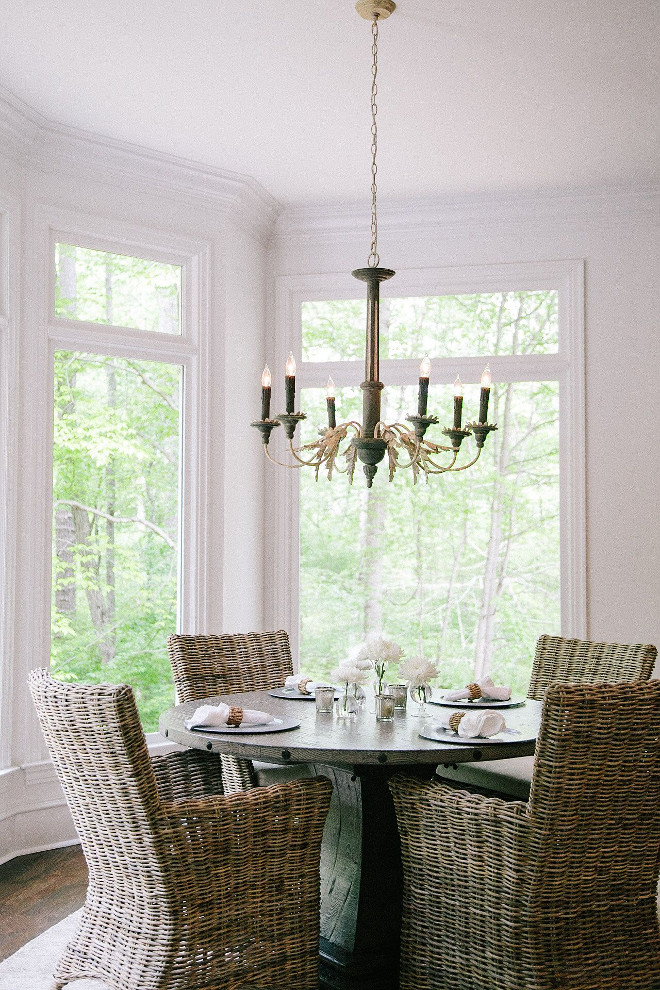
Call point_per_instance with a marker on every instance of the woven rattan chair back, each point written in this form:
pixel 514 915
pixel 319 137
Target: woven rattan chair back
pixel 555 894
pixel 594 808
pixel 188 888
pixel 579 661
pixel 204 666
pixel 94 736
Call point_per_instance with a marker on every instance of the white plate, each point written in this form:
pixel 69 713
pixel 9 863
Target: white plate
pixel 438 733
pixel 479 703
pixel 294 694
pixel 277 725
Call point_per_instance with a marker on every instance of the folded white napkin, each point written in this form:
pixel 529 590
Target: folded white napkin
pixel 474 724
pixel 489 691
pixel 219 715
pixel 297 681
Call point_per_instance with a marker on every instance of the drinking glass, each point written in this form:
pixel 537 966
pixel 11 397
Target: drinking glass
pixel 384 707
pixel 325 696
pixel 400 695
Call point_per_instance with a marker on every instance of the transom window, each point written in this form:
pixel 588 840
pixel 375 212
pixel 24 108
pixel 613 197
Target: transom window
pixel 117 289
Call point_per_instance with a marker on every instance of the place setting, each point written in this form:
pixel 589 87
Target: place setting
pixel 476 727
pixel 482 693
pixel 235 720
pixel 299 687
pixel 480 725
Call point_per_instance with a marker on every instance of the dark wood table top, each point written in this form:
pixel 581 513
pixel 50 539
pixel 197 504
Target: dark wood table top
pixel 344 742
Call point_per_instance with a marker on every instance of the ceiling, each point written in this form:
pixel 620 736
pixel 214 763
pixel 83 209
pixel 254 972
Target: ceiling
pixel 474 97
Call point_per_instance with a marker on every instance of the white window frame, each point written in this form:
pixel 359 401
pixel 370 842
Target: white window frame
pixel 10 224
pixel 566 367
pixel 188 349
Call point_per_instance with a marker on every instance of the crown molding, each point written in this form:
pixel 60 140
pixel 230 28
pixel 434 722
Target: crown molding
pixel 558 207
pixel 33 140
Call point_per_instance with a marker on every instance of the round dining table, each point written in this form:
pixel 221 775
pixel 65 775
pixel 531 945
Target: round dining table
pixel 361 873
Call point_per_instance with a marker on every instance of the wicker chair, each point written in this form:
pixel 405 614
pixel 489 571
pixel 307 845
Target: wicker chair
pixel 204 666
pixel 556 894
pixel 188 889
pixel 565 661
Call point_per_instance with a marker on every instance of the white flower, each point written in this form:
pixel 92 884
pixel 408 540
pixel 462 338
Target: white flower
pixel 379 650
pixel 348 672
pixel 416 671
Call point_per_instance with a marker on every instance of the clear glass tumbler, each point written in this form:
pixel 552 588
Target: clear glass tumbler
pixel 384 707
pixel 325 697
pixel 400 695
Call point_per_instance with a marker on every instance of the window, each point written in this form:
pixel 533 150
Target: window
pixel 100 287
pixel 115 523
pixel 117 464
pixel 467 569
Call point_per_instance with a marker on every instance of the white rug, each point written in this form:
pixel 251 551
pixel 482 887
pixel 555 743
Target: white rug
pixel 31 968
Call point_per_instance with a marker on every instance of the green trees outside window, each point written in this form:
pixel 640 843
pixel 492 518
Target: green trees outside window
pixel 116 478
pixel 464 570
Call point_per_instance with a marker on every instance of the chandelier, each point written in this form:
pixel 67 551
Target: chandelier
pixel 340 446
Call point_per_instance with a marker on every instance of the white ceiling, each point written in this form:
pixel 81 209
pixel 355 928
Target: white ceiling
pixel 474 97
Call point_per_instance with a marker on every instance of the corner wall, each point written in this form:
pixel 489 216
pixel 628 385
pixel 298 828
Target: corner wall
pixel 50 172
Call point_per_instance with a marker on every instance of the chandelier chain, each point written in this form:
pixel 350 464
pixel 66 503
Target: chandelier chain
pixel 374 257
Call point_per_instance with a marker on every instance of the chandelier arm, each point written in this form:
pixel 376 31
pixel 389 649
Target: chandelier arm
pixel 464 467
pixel 316 462
pixel 440 446
pixel 440 469
pixel 453 469
pixel 293 467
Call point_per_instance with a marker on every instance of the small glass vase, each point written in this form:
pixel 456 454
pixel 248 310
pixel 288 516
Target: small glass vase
pixel 420 694
pixel 347 705
pixel 359 696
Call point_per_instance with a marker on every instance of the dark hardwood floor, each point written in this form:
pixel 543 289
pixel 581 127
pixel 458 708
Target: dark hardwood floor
pixel 36 892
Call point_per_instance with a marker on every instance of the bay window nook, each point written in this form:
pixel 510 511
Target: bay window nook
pixel 184 194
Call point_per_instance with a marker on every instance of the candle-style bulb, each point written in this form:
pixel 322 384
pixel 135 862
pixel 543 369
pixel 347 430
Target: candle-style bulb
pixel 425 367
pixel 486 378
pixel 266 379
pixel 290 366
pixel 458 387
pixel 330 389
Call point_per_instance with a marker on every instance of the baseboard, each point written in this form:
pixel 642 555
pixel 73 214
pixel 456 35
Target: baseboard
pixel 39 849
pixel 33 812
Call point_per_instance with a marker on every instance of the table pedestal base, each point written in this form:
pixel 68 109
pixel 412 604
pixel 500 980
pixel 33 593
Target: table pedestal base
pixel 361 882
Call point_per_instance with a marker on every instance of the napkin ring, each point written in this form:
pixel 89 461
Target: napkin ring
pixel 235 716
pixel 455 720
pixel 475 691
pixel 302 685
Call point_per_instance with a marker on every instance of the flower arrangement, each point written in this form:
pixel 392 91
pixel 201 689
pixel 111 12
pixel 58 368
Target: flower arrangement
pixel 379 652
pixel 417 672
pixel 352 673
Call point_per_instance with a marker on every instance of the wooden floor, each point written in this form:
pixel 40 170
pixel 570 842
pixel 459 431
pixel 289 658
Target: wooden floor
pixel 36 892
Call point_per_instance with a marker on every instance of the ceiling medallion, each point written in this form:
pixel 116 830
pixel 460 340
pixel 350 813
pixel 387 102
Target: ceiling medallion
pixel 372 439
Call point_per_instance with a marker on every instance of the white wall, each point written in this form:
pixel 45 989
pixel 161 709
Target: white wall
pixel 617 236
pixel 56 178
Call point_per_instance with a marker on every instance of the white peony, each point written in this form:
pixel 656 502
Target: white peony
pixel 350 672
pixel 379 650
pixel 416 671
